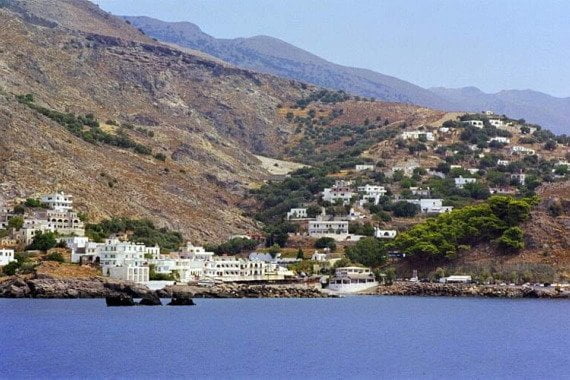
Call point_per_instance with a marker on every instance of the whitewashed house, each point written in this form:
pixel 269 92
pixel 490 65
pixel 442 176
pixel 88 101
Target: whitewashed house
pixel 193 252
pixel 430 206
pixel 420 191
pixel 520 177
pixel 82 250
pixel 371 193
pixel 297 213
pixel 6 256
pixel 503 162
pixel 475 123
pixel 517 149
pixel 461 182
pixel 361 168
pixel 384 234
pixel 496 122
pixel 500 139
pixel 415 135
pixel 318 256
pixel 230 269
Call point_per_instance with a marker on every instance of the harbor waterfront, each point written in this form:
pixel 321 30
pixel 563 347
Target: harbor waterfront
pixel 363 337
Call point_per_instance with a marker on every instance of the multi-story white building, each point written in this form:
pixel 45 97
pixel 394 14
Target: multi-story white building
pixel 230 269
pixel 297 213
pixel 6 256
pixel 58 201
pixel 342 191
pixel 431 206
pixel 124 260
pixel 360 168
pixel 371 193
pixel 475 123
pixel 83 250
pixel 331 227
pixel 461 182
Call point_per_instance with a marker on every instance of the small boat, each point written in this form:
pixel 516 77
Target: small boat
pixel 352 280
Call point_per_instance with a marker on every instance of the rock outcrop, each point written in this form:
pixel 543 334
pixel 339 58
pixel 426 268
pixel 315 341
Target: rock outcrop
pixel 181 299
pixel 150 299
pixel 469 290
pixel 119 299
pixel 51 287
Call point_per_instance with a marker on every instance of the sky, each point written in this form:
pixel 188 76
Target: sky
pixel 490 44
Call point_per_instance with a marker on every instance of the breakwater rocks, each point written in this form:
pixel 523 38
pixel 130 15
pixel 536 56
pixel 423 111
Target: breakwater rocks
pixel 469 290
pixel 52 287
pixel 243 291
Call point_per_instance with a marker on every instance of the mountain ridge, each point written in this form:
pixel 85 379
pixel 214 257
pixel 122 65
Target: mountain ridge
pixel 272 55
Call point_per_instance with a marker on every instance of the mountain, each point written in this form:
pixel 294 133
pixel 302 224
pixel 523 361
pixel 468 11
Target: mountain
pixel 534 106
pixel 200 117
pixel 271 55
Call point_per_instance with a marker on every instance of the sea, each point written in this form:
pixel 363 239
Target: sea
pixel 343 338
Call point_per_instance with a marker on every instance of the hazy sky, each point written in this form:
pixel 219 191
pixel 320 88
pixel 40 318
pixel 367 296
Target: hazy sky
pixel 490 44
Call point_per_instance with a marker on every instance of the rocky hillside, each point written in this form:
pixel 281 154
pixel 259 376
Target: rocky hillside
pixel 271 55
pixel 201 116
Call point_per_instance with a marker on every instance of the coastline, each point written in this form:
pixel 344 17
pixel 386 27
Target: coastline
pixel 100 287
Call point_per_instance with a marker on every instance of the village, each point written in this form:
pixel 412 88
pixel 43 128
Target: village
pixel 367 201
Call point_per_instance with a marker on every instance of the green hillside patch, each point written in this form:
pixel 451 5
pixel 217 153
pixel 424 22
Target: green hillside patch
pixel 444 236
pixel 86 127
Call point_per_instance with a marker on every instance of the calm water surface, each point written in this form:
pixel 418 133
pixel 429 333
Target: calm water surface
pixel 358 337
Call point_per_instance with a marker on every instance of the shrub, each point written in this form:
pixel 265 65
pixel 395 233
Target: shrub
pixel 405 209
pixel 43 241
pixel 512 240
pixel 55 256
pixel 160 156
pixel 326 242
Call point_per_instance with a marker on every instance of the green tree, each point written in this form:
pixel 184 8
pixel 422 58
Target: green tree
pixel 325 242
pixel 11 268
pixel 16 222
pixel 300 254
pixel 55 256
pixel 368 251
pixel 43 241
pixel 512 240
pixel 31 202
pixel 405 209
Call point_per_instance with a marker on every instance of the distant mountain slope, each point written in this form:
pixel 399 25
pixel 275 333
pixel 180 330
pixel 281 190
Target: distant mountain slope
pixel 267 54
pixel 534 106
pixel 271 55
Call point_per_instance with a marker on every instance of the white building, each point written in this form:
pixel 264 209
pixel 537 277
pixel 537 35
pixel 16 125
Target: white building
pixel 58 201
pixel 124 260
pixel 371 193
pixel 360 168
pixel 317 256
pixel 517 149
pixel 503 162
pixel 496 122
pixel 500 139
pixel 420 191
pixel 415 135
pixel 230 269
pixel 297 213
pixel 318 228
pixel 520 177
pixel 461 182
pixel 342 191
pixel 195 253
pixel 83 250
pixel 431 206
pixel 384 234
pixel 6 256
pixel 475 123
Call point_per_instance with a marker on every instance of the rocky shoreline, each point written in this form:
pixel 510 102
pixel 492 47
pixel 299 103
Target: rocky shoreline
pixel 43 286
pixel 102 287
pixel 468 290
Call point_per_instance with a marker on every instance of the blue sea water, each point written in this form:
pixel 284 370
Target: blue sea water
pixel 355 337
